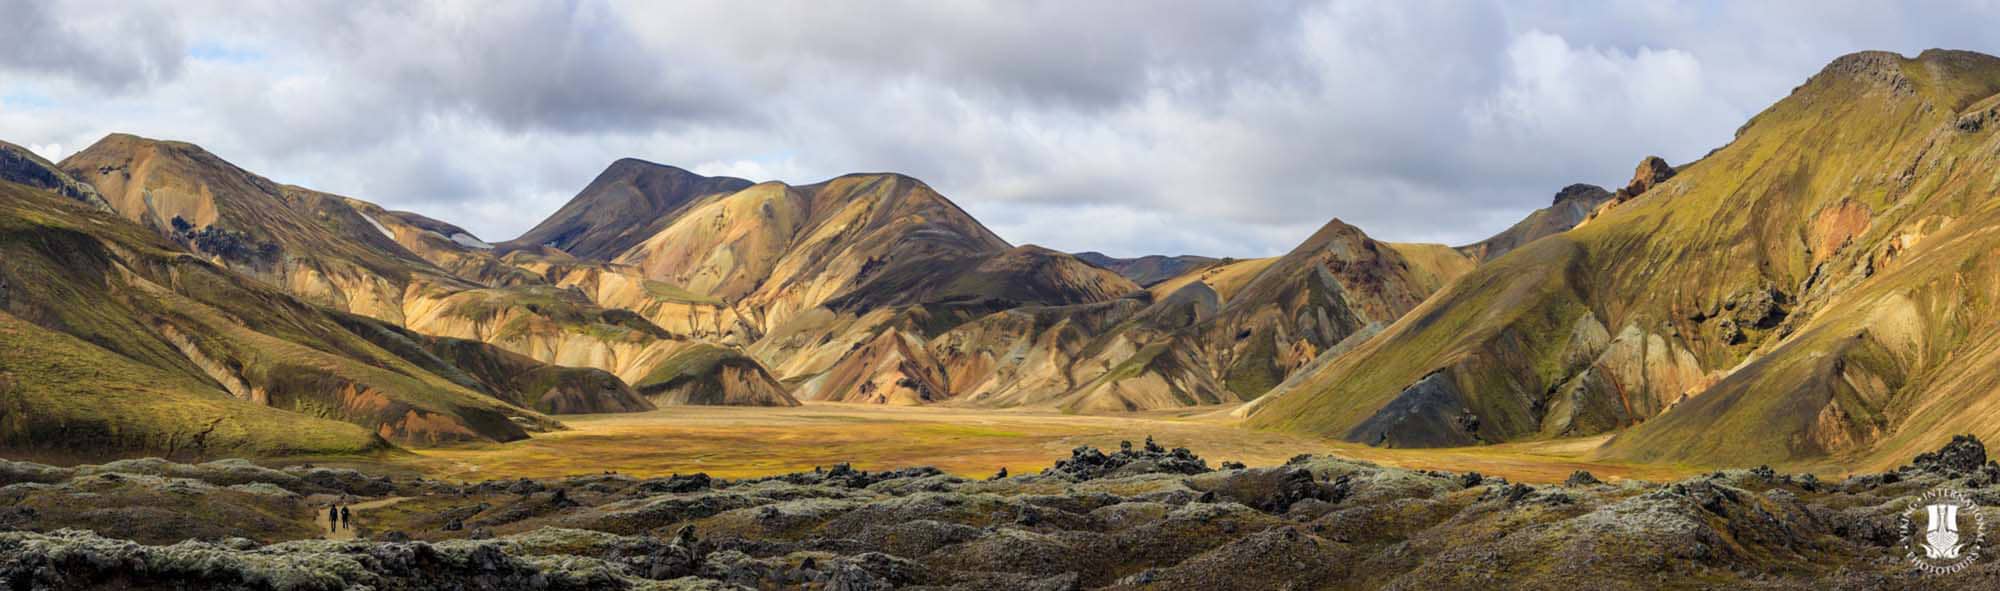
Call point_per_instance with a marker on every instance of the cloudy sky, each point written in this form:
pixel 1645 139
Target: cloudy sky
pixel 1221 128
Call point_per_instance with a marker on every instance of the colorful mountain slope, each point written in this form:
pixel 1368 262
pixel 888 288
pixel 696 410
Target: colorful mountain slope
pixel 402 268
pixel 314 245
pixel 1758 302
pixel 120 342
pixel 807 276
pixel 1199 346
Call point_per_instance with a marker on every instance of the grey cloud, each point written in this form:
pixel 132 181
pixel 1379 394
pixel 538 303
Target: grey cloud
pixel 1039 53
pixel 1217 128
pixel 571 67
pixel 107 47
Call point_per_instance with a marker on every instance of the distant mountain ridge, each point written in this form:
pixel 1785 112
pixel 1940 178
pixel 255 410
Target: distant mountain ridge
pixel 1572 205
pixel 1150 269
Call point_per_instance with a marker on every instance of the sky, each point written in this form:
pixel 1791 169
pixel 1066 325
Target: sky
pixel 1221 128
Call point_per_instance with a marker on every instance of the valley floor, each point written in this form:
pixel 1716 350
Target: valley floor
pixel 741 442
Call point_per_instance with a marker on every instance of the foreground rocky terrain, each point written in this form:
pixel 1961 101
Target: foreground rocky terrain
pixel 1139 517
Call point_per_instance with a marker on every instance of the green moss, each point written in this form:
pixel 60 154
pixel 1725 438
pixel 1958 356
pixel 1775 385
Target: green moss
pixel 118 292
pixel 1256 371
pixel 60 394
pixel 674 293
pixel 944 430
pixel 1732 222
pixel 690 363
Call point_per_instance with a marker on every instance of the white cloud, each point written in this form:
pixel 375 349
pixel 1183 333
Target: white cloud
pixel 1216 128
pixel 52 152
pixel 1575 102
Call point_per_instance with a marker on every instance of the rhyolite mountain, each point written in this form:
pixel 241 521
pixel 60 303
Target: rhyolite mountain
pixel 1821 288
pixel 630 201
pixel 652 287
pixel 115 341
pixel 352 255
pixel 875 288
pixel 807 276
pixel 1817 290
pixel 1223 334
pixel 1199 344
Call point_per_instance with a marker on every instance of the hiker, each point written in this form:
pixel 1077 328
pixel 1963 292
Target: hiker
pixel 333 517
pixel 346 519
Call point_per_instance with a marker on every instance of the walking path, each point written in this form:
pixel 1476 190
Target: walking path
pixel 354 514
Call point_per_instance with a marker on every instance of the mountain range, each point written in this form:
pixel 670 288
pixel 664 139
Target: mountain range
pixel 1819 289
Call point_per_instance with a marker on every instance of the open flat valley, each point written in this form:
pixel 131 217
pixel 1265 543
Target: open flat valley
pixel 749 442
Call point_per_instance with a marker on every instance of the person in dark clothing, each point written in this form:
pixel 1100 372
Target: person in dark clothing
pixel 333 517
pixel 346 519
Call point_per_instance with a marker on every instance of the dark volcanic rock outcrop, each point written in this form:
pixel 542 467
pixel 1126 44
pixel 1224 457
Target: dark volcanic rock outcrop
pixel 1964 455
pixel 1651 171
pixel 18 165
pixel 1087 463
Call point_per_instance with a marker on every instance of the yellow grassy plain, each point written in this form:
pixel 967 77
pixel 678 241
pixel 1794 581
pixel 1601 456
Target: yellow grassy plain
pixel 737 442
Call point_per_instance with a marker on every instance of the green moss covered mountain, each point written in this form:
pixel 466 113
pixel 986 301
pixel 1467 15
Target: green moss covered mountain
pixel 1820 288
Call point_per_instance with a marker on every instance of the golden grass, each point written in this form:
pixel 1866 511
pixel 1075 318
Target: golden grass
pixel 738 442
pixel 1226 278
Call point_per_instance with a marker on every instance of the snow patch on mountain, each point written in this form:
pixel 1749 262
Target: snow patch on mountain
pixel 379 227
pixel 467 240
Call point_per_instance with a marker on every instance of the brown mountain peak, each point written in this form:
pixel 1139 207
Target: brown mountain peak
pixel 626 203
